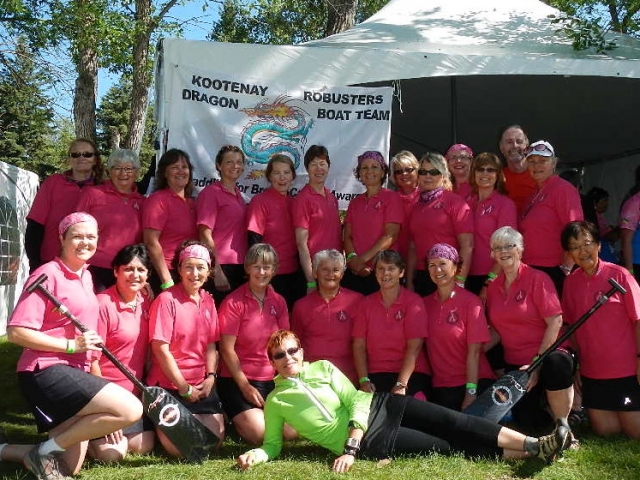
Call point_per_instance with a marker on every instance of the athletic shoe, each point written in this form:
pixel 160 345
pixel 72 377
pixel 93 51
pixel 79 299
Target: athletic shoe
pixel 572 443
pixel 46 467
pixel 551 446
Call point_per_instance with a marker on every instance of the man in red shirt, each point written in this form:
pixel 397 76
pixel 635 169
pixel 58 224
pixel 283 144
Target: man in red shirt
pixel 520 185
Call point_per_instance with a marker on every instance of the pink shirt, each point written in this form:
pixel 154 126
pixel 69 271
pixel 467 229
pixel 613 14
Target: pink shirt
pixel 464 190
pixel 188 329
pixel 324 328
pixel 56 198
pixel 493 212
pixel 408 202
pixel 319 215
pixel 269 215
pixel 520 186
pixel 241 317
pixel 119 219
pixel 439 221
pixel 555 204
pixel 518 314
pixel 607 340
pixel 387 330
pixel 126 334
pixel 455 324
pixel 630 213
pixel 174 217
pixel 368 217
pixel 34 311
pixel 225 214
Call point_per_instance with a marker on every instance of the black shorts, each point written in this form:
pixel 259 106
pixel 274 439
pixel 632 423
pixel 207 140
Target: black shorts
pixel 233 402
pixel 58 393
pixel 615 394
pixel 452 397
pixel 210 405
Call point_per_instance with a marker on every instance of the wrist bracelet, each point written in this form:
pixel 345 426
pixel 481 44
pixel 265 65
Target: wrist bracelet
pixel 351 255
pixel 71 346
pixel 471 385
pixel 631 271
pixel 211 374
pixel 312 284
pixel 350 451
pixel 460 278
pixel 491 276
pixel 400 384
pixel 189 392
pixel 166 285
pixel 363 380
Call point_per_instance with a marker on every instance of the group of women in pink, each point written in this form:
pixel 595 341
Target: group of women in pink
pixel 406 297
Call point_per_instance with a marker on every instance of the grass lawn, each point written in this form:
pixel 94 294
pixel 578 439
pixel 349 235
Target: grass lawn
pixel 612 459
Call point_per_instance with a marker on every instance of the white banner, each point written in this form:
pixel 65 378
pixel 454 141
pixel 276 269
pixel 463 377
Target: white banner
pixel 206 111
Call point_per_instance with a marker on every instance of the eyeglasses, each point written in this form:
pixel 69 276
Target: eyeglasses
pixel 487 169
pixel 540 147
pixel 539 161
pixel 81 154
pixel 401 171
pixel 127 170
pixel 434 172
pixel 575 248
pixel 459 158
pixel 289 351
pixel 503 248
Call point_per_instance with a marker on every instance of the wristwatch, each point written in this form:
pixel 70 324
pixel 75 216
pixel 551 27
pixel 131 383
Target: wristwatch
pixel 472 391
pixel 401 385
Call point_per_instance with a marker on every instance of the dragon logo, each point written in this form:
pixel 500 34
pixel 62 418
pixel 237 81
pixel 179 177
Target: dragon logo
pixel 276 127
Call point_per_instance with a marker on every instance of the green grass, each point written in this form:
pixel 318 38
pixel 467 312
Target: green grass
pixel 598 459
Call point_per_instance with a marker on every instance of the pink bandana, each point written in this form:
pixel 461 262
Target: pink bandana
pixel 72 219
pixel 443 250
pixel 458 147
pixel 196 251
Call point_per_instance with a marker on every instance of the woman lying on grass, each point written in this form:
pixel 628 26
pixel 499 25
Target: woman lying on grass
pixel 323 406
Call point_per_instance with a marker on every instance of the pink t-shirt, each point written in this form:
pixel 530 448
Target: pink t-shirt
pixel 119 219
pixel 439 221
pixel 174 216
pixel 607 340
pixel 464 190
pixel 520 186
pixel 387 330
pixel 34 311
pixel 241 317
pixel 518 314
pixel 493 212
pixel 454 325
pixel 408 202
pixel 188 329
pixel 324 328
pixel 368 217
pixel 319 215
pixel 554 204
pixel 269 215
pixel 630 213
pixel 56 198
pixel 225 214
pixel 126 334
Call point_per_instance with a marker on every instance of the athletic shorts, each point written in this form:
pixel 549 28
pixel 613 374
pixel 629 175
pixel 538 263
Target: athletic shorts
pixel 210 405
pixel 615 394
pixel 233 402
pixel 58 393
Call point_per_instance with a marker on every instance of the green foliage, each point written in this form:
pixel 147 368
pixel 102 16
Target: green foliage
pixel 278 22
pixel 585 34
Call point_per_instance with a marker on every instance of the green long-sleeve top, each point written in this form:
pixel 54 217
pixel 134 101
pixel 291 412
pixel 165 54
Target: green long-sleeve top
pixel 319 404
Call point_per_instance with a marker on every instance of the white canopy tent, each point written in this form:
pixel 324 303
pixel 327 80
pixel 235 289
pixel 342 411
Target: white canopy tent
pixel 463 69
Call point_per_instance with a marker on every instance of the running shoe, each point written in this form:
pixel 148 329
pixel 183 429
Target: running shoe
pixel 46 467
pixel 550 446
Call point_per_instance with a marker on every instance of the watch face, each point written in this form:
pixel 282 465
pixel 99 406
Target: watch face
pixel 471 391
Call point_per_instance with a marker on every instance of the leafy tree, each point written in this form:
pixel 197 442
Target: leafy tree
pixel 282 22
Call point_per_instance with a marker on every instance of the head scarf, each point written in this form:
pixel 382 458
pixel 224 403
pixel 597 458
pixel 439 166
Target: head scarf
pixel 73 218
pixel 196 251
pixel 443 250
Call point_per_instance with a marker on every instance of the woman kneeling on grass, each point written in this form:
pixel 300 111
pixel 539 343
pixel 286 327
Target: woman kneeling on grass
pixel 68 402
pixel 324 407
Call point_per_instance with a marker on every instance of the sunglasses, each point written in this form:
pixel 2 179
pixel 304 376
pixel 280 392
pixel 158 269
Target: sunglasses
pixel 434 172
pixel 404 170
pixel 541 147
pixel 486 169
pixel 81 154
pixel 289 351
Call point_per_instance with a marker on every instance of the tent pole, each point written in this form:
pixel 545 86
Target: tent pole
pixel 454 110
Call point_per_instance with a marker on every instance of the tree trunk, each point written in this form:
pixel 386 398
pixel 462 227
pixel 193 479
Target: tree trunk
pixel 84 98
pixel 341 16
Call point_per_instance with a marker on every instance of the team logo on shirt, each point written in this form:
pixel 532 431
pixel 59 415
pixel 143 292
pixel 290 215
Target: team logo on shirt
pixel 207 314
pixel 136 205
pixel 438 206
pixel 399 315
pixel 520 296
pixel 342 316
pixel 487 210
pixel 274 312
pixel 378 205
pixel 598 295
pixel 452 318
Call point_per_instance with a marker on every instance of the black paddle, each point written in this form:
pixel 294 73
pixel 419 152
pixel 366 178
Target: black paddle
pixel 192 439
pixel 496 401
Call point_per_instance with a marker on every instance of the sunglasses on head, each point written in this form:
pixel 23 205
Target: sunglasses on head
pixel 487 169
pixel 289 351
pixel 434 172
pixel 81 154
pixel 400 171
pixel 540 147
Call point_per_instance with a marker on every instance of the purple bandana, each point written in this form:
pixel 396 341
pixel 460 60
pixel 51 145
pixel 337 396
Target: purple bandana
pixel 431 195
pixel 443 250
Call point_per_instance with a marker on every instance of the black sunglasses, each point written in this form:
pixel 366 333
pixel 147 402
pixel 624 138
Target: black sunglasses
pixel 404 170
pixel 81 154
pixel 434 172
pixel 289 351
pixel 487 169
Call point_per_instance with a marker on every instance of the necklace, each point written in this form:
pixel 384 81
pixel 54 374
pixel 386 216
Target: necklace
pixel 132 304
pixel 260 300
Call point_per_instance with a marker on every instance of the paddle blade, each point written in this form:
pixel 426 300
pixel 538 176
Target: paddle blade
pixel 496 401
pixel 194 441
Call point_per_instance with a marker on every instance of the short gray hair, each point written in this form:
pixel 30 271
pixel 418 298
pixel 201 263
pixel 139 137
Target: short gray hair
pixel 328 256
pixel 123 155
pixel 507 236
